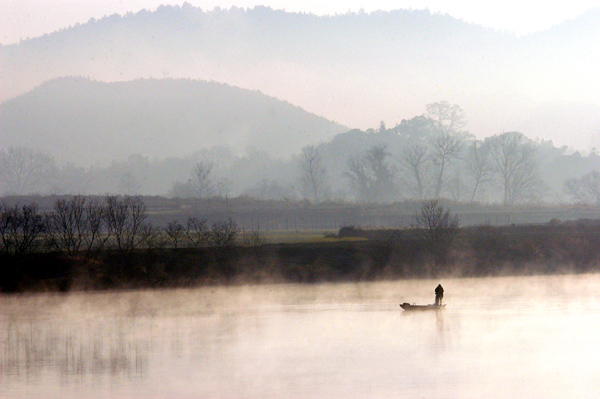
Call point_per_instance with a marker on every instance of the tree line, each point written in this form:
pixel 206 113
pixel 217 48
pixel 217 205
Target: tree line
pixel 436 158
pixel 88 243
pixel 431 156
pixel 108 243
pixel 80 227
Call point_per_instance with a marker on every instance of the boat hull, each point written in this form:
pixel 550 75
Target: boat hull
pixel 408 306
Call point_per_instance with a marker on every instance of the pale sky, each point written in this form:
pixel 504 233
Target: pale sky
pixel 20 19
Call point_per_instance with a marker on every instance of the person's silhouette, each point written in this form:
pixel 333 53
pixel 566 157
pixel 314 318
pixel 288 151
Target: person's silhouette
pixel 439 295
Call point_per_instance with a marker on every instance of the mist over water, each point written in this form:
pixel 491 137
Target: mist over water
pixel 501 337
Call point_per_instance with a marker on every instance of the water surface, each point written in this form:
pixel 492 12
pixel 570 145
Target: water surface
pixel 534 337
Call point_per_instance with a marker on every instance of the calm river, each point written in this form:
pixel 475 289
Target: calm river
pixel 531 337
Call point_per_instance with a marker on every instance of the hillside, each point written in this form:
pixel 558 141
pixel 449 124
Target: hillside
pixel 356 69
pixel 88 122
pixel 223 45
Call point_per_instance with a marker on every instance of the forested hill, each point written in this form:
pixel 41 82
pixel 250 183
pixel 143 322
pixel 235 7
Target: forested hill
pixel 355 68
pixel 85 122
pixel 261 44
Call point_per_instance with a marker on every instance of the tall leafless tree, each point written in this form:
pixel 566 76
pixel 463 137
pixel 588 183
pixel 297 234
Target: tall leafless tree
pixel 126 223
pixel 574 189
pixel 358 176
pixel 447 143
pixel 478 167
pixel 197 234
pixel 22 170
pixel 585 190
pixel 517 167
pixel 437 225
pixel 456 184
pixel 448 118
pixel 202 180
pixel 75 227
pixel 445 148
pixel 96 238
pixel 415 160
pixel 223 233
pixel 175 232
pixel 591 184
pixel 313 176
pixel 21 229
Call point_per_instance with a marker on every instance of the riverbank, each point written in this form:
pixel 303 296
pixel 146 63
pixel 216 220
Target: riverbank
pixel 361 255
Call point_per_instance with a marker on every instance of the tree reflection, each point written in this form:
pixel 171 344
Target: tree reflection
pixel 31 350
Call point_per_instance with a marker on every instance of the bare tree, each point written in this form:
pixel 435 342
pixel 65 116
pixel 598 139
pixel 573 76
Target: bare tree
pixel 591 184
pixel 64 226
pixel 201 179
pixel 116 218
pixel 21 229
pixel 447 144
pixel 22 170
pixel 125 220
pixel 75 227
pixel 415 160
pixel 8 226
pixel 447 118
pixel 313 174
pixel 437 226
pixel 445 148
pixel 478 167
pixel 196 233
pixel 223 233
pixel 585 190
pixel 175 233
pixel 456 187
pixel 514 159
pixel 574 189
pixel 95 239
pixel 359 179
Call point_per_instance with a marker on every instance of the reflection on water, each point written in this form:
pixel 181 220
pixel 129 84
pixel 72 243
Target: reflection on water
pixel 74 351
pixel 503 337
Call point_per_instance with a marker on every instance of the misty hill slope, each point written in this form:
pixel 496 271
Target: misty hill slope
pixel 357 69
pixel 85 122
pixel 238 45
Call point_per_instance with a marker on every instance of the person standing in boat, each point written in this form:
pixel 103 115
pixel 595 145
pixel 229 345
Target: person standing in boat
pixel 439 295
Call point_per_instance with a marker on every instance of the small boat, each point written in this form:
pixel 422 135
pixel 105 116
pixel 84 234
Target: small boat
pixel 408 306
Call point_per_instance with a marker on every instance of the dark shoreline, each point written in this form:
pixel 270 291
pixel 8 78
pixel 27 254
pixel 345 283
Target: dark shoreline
pixel 566 248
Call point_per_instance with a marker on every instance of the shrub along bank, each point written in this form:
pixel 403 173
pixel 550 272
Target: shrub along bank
pixel 86 244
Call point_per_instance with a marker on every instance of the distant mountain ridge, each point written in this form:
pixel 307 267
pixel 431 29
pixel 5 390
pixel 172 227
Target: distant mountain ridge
pixel 173 41
pixel 356 68
pixel 88 122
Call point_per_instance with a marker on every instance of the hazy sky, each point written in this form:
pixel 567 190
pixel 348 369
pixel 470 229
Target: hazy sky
pixel 31 18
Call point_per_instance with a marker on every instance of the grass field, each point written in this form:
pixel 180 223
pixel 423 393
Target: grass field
pixel 304 236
